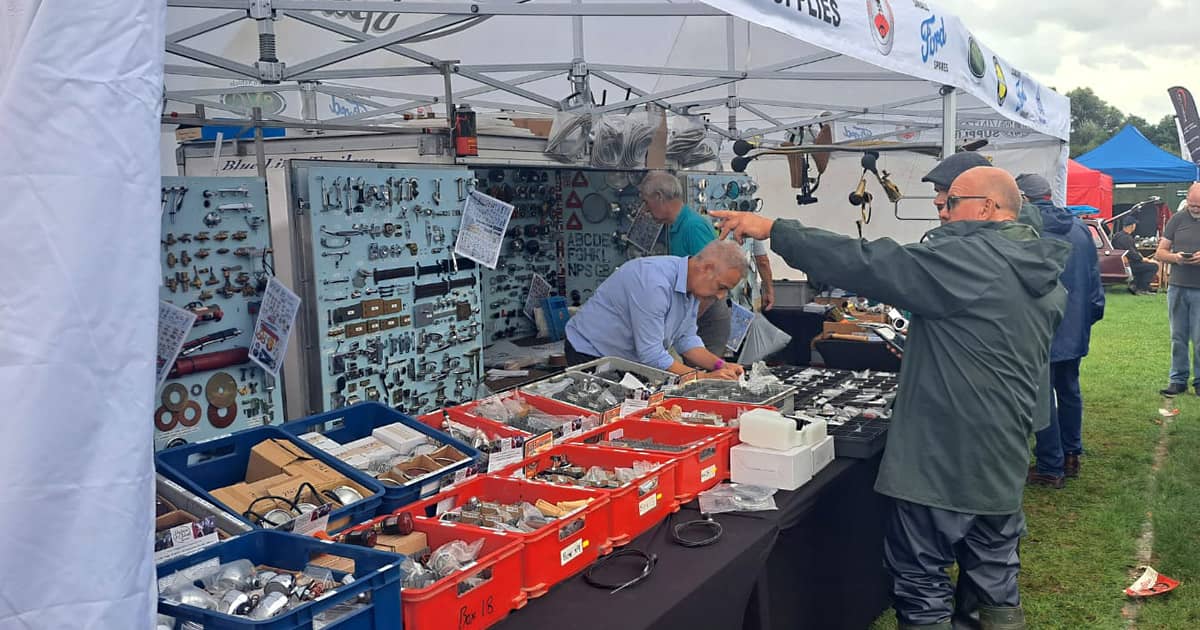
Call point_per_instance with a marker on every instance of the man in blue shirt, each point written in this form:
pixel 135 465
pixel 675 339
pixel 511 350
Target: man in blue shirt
pixel 649 304
pixel 687 234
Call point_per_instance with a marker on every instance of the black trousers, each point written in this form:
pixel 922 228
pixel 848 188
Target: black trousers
pixel 1143 273
pixel 920 544
pixel 575 357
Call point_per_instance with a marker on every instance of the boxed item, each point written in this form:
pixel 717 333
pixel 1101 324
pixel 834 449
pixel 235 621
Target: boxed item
pixel 823 453
pixel 782 470
pixel 400 437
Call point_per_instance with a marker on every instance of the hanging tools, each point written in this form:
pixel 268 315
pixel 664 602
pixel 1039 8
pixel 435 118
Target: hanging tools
pixel 175 195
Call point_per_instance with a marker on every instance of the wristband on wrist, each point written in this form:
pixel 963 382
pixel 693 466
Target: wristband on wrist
pixel 719 364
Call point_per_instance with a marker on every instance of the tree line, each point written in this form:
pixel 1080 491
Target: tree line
pixel 1093 121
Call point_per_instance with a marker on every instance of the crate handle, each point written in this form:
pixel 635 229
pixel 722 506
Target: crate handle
pixel 210 455
pixel 707 452
pixel 467 583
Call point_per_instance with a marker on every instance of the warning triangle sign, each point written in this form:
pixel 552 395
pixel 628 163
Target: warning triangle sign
pixel 579 181
pixel 573 223
pixel 573 200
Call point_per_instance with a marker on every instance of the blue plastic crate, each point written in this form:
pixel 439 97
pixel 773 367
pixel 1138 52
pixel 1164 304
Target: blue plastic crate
pixel 375 572
pixel 221 462
pixel 358 421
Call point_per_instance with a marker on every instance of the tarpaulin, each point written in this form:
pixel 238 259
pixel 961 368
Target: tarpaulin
pixel 80 94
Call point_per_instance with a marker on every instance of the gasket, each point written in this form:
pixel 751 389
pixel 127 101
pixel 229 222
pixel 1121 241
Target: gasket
pixel 221 417
pixel 221 389
pixel 197 389
pixel 161 414
pixel 168 397
pixel 182 415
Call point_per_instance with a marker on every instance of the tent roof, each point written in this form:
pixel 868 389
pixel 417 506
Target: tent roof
pixel 751 69
pixel 1132 159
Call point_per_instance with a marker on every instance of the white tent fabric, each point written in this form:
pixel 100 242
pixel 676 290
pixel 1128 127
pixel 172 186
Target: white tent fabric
pixel 80 97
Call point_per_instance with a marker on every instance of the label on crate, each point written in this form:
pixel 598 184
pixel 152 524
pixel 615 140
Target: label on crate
pixel 537 445
pixel 504 459
pixel 315 521
pixel 632 406
pixel 570 552
pixel 706 474
pixel 445 505
pixel 616 435
pixel 184 539
pixel 647 504
pixel 575 429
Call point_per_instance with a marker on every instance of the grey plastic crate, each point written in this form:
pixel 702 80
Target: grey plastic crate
pixel 580 380
pixel 782 397
pixel 607 367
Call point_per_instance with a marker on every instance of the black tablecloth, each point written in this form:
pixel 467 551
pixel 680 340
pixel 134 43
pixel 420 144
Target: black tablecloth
pixel 816 562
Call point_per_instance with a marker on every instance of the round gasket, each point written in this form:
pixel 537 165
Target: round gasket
pixel 221 389
pixel 197 389
pixel 161 414
pixel 168 397
pixel 221 417
pixel 182 415
pixel 595 208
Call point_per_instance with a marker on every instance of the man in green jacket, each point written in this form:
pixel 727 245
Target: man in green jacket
pixel 986 299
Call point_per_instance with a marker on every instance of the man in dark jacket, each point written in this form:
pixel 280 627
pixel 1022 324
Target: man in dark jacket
pixel 986 299
pixel 1143 270
pixel 1060 444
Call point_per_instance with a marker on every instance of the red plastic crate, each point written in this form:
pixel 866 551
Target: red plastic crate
pixel 491 427
pixel 451 602
pixel 466 412
pixel 552 553
pixel 729 411
pixel 634 508
pixel 702 465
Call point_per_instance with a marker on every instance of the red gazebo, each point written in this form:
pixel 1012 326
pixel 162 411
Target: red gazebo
pixel 1087 187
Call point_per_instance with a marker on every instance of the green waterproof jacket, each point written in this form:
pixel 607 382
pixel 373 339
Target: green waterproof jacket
pixel 985 300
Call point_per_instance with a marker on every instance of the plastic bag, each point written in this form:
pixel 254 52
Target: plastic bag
pixel 608 144
pixel 567 141
pixel 759 379
pixel 453 556
pixel 762 340
pixel 416 575
pixel 734 497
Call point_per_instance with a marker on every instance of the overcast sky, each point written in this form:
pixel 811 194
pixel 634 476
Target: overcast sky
pixel 1129 53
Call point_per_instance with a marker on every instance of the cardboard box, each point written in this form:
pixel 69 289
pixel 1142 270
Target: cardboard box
pixel 318 472
pixel 822 454
pixel 360 453
pixel 400 437
pixel 843 327
pixel 784 470
pixel 236 497
pixel 268 458
pixel 320 441
pixel 409 545
pixel 539 126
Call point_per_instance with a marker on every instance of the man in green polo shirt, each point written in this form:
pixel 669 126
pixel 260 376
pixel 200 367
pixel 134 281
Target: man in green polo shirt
pixel 687 234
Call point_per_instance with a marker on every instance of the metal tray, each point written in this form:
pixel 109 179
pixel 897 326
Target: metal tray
pixel 780 396
pixel 612 369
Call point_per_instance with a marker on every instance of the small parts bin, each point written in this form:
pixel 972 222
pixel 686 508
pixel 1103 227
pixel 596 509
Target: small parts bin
pixel 554 552
pixel 702 452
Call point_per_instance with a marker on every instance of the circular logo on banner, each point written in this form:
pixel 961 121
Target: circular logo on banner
pixel 1001 84
pixel 883 23
pixel 271 102
pixel 975 59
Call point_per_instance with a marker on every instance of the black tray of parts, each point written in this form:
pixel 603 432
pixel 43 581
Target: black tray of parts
pixel 809 386
pixel 860 437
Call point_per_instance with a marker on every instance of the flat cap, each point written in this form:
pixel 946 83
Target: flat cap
pixel 1033 186
pixel 950 168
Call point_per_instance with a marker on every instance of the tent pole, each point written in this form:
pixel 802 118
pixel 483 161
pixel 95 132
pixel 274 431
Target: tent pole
pixel 731 65
pixel 260 157
pixel 949 119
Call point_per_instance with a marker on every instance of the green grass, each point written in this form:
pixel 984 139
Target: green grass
pixel 1081 545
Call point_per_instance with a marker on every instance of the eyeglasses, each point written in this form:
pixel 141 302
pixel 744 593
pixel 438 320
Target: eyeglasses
pixel 953 200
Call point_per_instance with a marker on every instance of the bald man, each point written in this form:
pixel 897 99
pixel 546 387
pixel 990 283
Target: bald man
pixel 1180 247
pixel 985 296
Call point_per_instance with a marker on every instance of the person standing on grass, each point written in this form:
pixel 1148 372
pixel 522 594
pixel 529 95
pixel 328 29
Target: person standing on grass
pixel 1143 270
pixel 985 298
pixel 1180 246
pixel 1060 444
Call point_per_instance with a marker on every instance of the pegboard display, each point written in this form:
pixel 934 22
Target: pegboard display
pixel 215 233
pixel 597 212
pixel 530 246
pixel 721 191
pixel 394 317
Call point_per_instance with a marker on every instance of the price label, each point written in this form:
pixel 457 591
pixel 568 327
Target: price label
pixel 504 459
pixel 647 504
pixel 706 474
pixel 571 551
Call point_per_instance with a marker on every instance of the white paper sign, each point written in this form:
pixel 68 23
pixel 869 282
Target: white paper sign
pixel 503 459
pixel 631 406
pixel 539 290
pixel 315 521
pixel 740 319
pixel 481 233
pixel 184 539
pixel 174 324
pixel 276 317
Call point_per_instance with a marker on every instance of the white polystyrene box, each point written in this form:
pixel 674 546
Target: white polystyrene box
pixel 783 470
pixel 822 454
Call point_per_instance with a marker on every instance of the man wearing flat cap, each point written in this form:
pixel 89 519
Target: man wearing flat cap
pixel 1060 444
pixel 950 168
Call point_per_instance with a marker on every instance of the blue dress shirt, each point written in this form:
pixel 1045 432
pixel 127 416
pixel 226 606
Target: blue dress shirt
pixel 638 312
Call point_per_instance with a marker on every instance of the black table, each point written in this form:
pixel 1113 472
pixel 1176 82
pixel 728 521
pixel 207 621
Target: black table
pixel 816 562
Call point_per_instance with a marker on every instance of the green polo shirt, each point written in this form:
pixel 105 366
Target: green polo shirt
pixel 690 233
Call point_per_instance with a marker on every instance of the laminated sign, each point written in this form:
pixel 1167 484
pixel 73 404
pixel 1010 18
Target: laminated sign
pixel 481 233
pixel 276 317
pixel 174 324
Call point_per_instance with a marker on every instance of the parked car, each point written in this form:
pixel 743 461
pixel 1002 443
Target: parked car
pixel 1114 267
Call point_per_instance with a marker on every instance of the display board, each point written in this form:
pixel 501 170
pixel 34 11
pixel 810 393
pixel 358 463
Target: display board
pixel 726 191
pixel 395 317
pixel 215 263
pixel 596 215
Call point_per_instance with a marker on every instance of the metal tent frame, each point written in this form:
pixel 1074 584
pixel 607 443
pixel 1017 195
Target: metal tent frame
pixel 383 110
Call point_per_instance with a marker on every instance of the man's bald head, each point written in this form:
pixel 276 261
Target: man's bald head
pixel 1193 199
pixel 984 193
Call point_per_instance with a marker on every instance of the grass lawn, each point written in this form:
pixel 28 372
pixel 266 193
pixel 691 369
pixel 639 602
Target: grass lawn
pixel 1082 541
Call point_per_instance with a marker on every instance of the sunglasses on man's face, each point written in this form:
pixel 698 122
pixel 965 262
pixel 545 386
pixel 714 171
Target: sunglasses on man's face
pixel 953 200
